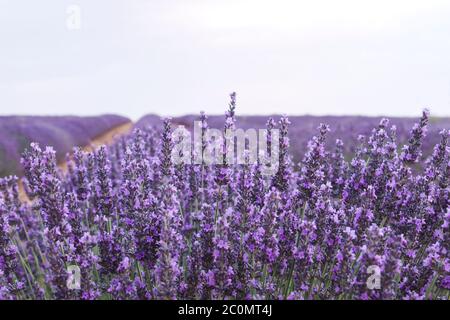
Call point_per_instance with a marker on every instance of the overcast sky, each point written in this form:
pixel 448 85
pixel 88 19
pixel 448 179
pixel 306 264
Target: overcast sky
pixel 134 57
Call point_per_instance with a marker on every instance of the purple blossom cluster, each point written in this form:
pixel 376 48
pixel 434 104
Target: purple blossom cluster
pixel 139 226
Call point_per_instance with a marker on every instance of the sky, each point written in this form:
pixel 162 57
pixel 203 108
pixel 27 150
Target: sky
pixel 174 57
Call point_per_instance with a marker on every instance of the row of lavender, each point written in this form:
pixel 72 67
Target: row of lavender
pixel 63 133
pixel 302 128
pixel 140 227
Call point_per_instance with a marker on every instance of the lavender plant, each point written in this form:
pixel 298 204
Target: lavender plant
pixel 373 225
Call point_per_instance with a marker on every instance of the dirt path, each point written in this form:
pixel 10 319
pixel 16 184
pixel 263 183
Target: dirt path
pixel 104 139
pixel 109 136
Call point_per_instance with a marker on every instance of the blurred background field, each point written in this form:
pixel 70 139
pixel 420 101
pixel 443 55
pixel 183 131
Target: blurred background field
pixel 63 133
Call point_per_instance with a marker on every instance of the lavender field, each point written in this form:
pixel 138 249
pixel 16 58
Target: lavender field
pixel 63 133
pixel 303 128
pixel 346 216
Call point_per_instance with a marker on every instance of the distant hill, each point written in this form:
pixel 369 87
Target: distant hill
pixel 62 133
